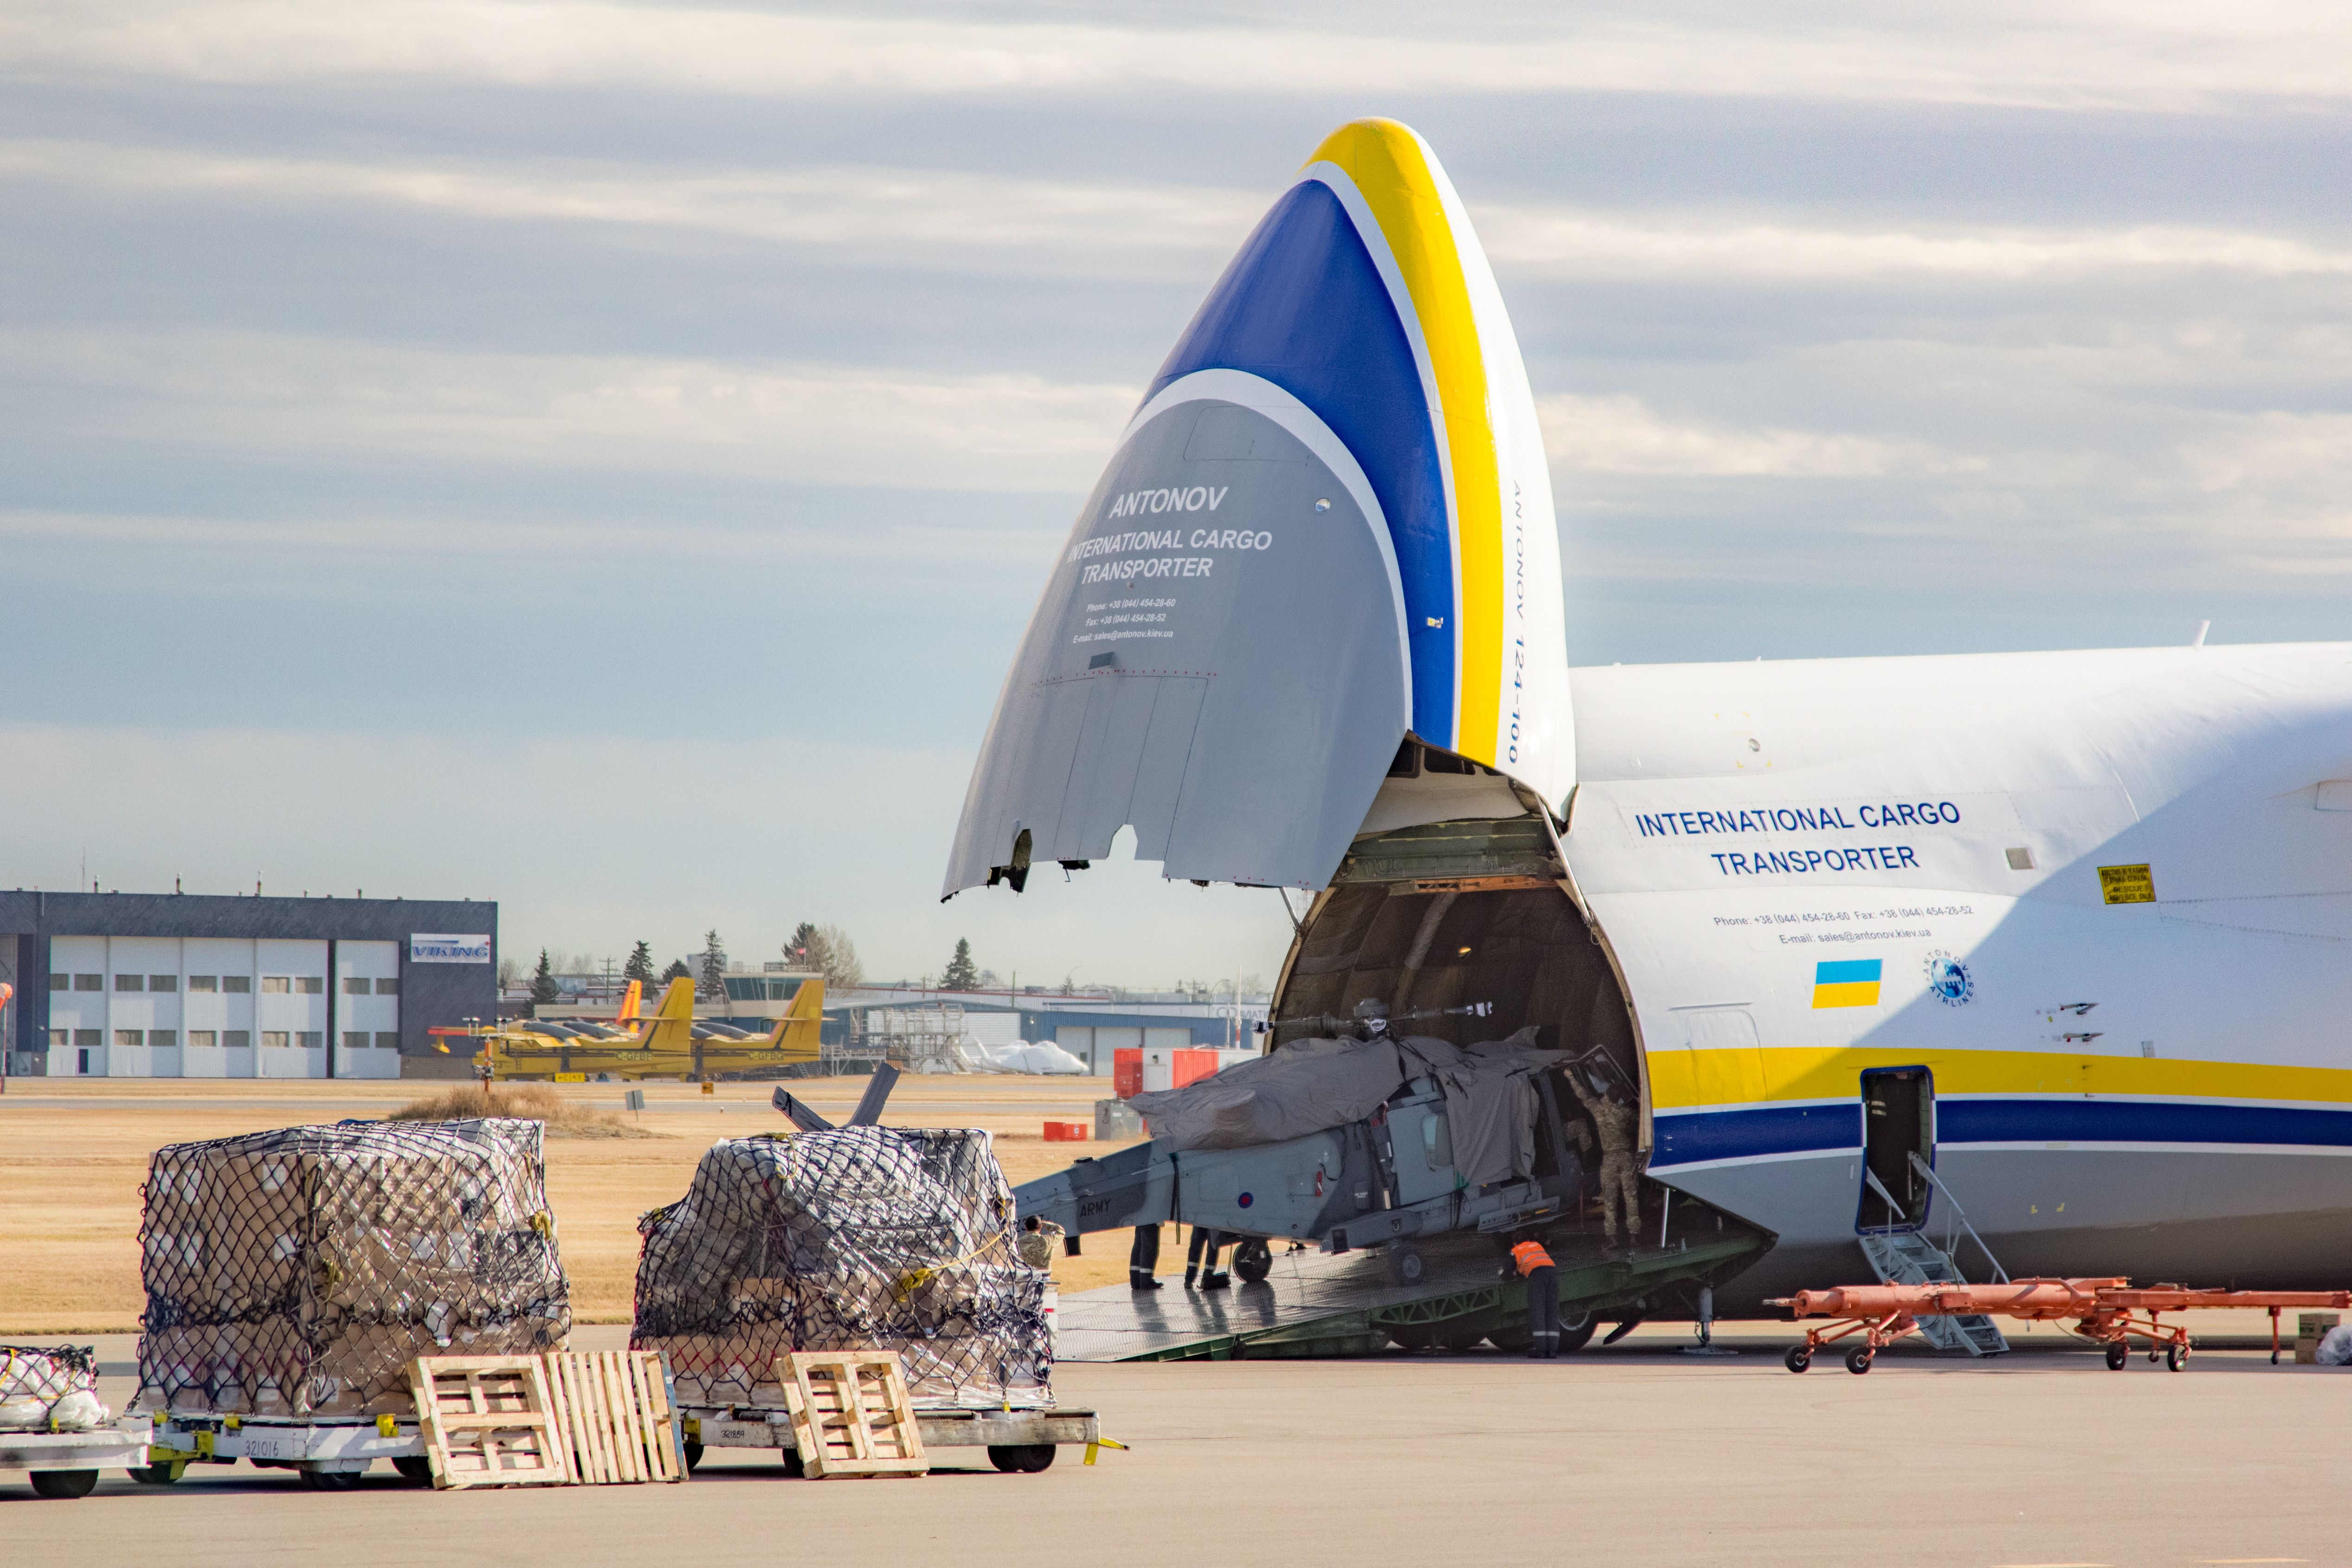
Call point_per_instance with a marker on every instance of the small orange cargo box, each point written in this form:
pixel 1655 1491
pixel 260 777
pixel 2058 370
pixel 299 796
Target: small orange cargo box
pixel 1191 1066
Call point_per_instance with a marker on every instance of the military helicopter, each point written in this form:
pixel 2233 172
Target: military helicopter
pixel 1378 1139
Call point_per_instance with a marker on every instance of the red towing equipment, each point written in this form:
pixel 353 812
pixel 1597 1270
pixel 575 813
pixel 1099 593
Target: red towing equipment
pixel 2108 1310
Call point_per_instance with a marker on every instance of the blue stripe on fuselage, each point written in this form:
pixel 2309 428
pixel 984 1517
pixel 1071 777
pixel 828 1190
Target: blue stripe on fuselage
pixel 1302 305
pixel 1683 1137
pixel 2136 1121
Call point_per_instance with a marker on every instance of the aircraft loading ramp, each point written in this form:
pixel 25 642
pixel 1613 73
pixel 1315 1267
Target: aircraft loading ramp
pixel 1318 1304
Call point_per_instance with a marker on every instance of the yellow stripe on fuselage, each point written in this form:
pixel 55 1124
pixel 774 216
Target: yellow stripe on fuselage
pixel 1685 1079
pixel 1392 170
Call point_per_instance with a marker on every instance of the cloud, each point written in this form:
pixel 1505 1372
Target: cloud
pixel 1621 435
pixel 2279 490
pixel 944 220
pixel 339 540
pixel 874 208
pixel 810 422
pixel 1550 242
pixel 2089 53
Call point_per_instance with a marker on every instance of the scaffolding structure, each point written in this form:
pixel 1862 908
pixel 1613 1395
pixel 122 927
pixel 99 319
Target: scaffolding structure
pixel 912 1039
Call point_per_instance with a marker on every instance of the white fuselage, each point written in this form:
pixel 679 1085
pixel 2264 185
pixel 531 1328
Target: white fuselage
pixel 1809 870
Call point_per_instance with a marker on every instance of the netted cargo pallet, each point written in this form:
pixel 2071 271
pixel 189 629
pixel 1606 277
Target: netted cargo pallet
pixel 297 1273
pixel 857 1238
pixel 49 1388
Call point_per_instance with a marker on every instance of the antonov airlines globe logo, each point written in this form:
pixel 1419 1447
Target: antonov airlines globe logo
pixel 1948 980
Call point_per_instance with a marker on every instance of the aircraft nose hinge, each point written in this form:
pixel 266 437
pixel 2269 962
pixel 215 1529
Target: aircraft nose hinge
pixel 1015 875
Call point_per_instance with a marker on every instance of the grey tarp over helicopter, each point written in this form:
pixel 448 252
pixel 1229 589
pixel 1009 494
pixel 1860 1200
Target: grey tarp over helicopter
pixel 1310 1086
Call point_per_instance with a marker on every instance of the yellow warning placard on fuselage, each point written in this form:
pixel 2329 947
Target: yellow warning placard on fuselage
pixel 2127 884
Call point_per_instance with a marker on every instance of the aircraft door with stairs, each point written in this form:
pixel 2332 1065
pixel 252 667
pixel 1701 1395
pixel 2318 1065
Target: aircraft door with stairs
pixel 1898 1121
pixel 1898 1188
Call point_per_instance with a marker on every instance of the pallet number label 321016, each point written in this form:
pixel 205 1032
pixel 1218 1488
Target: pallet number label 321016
pixel 271 1447
pixel 739 1435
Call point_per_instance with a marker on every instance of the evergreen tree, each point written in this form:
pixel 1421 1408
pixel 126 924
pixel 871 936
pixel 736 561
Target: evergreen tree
pixel 640 966
pixel 677 970
pixel 801 952
pixel 542 985
pixel 960 975
pixel 714 966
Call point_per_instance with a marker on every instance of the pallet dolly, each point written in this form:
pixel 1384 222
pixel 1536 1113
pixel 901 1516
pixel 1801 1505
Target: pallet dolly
pixel 1019 1442
pixel 65 1465
pixel 328 1455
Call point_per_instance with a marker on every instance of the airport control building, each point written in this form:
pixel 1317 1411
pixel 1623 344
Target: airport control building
pixel 191 985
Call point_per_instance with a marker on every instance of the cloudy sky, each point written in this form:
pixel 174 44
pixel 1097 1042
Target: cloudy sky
pixel 600 457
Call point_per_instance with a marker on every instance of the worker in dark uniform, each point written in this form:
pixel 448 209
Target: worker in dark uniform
pixel 1535 1265
pixel 1202 1260
pixel 1143 1258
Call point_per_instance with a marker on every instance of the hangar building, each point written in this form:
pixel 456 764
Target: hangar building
pixel 190 985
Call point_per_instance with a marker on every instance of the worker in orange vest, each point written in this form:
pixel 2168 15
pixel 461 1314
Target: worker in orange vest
pixel 1535 1265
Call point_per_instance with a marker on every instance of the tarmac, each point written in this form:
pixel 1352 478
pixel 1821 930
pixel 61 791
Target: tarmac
pixel 1635 1454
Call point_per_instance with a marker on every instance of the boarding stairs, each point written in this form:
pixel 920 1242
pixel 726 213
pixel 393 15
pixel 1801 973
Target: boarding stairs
pixel 1911 1257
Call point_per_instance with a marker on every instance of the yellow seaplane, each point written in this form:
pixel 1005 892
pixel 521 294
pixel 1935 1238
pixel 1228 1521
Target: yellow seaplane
pixel 669 1042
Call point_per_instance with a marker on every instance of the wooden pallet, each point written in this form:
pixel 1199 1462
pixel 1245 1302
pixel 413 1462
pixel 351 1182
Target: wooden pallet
pixel 488 1421
pixel 616 1422
pixel 851 1413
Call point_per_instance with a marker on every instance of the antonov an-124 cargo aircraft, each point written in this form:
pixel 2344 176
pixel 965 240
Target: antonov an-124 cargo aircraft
pixel 2060 941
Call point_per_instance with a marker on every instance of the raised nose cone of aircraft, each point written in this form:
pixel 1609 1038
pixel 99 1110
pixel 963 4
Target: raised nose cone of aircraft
pixel 1327 526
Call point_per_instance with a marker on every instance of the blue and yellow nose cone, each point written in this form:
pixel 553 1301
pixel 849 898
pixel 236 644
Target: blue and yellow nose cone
pixel 1365 293
pixel 1328 527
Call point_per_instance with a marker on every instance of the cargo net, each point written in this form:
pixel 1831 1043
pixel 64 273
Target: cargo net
pixel 878 1238
pixel 49 1387
pixel 297 1273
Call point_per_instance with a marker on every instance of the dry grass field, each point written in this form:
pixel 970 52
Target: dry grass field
pixel 73 1153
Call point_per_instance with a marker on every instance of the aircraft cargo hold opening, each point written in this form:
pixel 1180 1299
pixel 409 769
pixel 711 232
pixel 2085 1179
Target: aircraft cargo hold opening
pixel 1421 950
pixel 1429 916
pixel 1463 927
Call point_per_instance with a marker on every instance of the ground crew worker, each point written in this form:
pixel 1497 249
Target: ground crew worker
pixel 1535 1265
pixel 1202 1260
pixel 1143 1258
pixel 1035 1242
pixel 1621 1177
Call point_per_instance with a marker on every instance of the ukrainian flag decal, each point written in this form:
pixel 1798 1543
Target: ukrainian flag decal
pixel 1846 982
